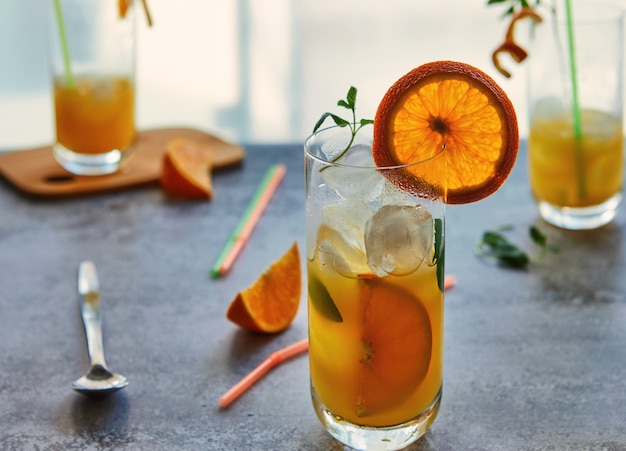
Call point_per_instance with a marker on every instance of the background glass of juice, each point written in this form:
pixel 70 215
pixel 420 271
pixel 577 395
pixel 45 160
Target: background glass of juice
pixel 92 56
pixel 375 262
pixel 575 148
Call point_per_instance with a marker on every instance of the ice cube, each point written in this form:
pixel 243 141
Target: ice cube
pixel 601 128
pixel 359 155
pixel 359 179
pixel 391 195
pixel 398 238
pixel 348 218
pixel 340 238
pixel 334 145
pixel 548 109
pixel 334 252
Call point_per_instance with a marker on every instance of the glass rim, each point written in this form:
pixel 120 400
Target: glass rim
pixel 339 163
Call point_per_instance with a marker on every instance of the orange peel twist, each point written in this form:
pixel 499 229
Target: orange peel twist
pixel 123 6
pixel 509 45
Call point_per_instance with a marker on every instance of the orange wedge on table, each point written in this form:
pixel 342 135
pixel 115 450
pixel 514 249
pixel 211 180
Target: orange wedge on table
pixel 271 302
pixel 186 170
pixel 452 106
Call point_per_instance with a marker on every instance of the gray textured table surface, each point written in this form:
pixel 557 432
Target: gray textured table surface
pixel 534 359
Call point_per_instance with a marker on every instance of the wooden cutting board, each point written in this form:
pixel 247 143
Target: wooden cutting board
pixel 37 173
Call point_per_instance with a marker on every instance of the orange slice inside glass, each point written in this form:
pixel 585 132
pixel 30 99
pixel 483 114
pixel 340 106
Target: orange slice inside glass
pixel 452 106
pixel 397 342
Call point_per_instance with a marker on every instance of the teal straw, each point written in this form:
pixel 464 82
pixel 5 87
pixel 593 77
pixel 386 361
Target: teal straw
pixel 576 116
pixel 69 78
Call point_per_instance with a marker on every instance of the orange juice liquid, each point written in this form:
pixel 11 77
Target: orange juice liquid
pixel 339 351
pixel 555 174
pixel 96 115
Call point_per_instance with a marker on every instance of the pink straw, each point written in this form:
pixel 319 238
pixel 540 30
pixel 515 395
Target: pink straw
pixel 274 359
pixel 449 281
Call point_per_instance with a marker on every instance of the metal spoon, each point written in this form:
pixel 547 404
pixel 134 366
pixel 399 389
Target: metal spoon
pixel 98 380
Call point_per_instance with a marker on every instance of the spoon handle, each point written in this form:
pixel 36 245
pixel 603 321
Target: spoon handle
pixel 89 298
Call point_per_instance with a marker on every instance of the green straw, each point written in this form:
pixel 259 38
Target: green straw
pixel 69 78
pixel 240 236
pixel 576 116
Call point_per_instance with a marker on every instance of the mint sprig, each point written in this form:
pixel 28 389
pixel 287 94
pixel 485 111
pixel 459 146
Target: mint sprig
pixel 350 104
pixel 494 245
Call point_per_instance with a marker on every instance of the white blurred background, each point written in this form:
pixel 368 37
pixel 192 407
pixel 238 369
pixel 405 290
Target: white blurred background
pixel 256 70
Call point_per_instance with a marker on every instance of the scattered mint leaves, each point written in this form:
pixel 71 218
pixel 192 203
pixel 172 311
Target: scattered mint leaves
pixel 349 103
pixel 494 245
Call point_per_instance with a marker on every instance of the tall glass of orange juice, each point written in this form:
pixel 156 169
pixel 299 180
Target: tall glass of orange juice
pixel 375 257
pixel 92 57
pixel 575 145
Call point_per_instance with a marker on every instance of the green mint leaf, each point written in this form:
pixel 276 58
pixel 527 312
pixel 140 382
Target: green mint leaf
pixel 514 5
pixel 439 257
pixel 351 97
pixel 511 255
pixel 321 120
pixel 538 237
pixel 552 248
pixel 339 121
pixel 515 261
pixel 540 240
pixel 496 246
pixel 438 239
pixel 344 104
pixel 494 239
pixel 365 122
pixel 322 301
pixel 441 274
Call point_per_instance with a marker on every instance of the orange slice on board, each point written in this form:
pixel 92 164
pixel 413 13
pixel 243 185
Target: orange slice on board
pixel 186 170
pixel 396 354
pixel 455 107
pixel 270 304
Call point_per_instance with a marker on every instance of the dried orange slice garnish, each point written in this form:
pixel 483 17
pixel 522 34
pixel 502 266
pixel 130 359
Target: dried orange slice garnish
pixel 452 106
pixel 270 304
pixel 186 169
pixel 509 45
pixel 396 354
